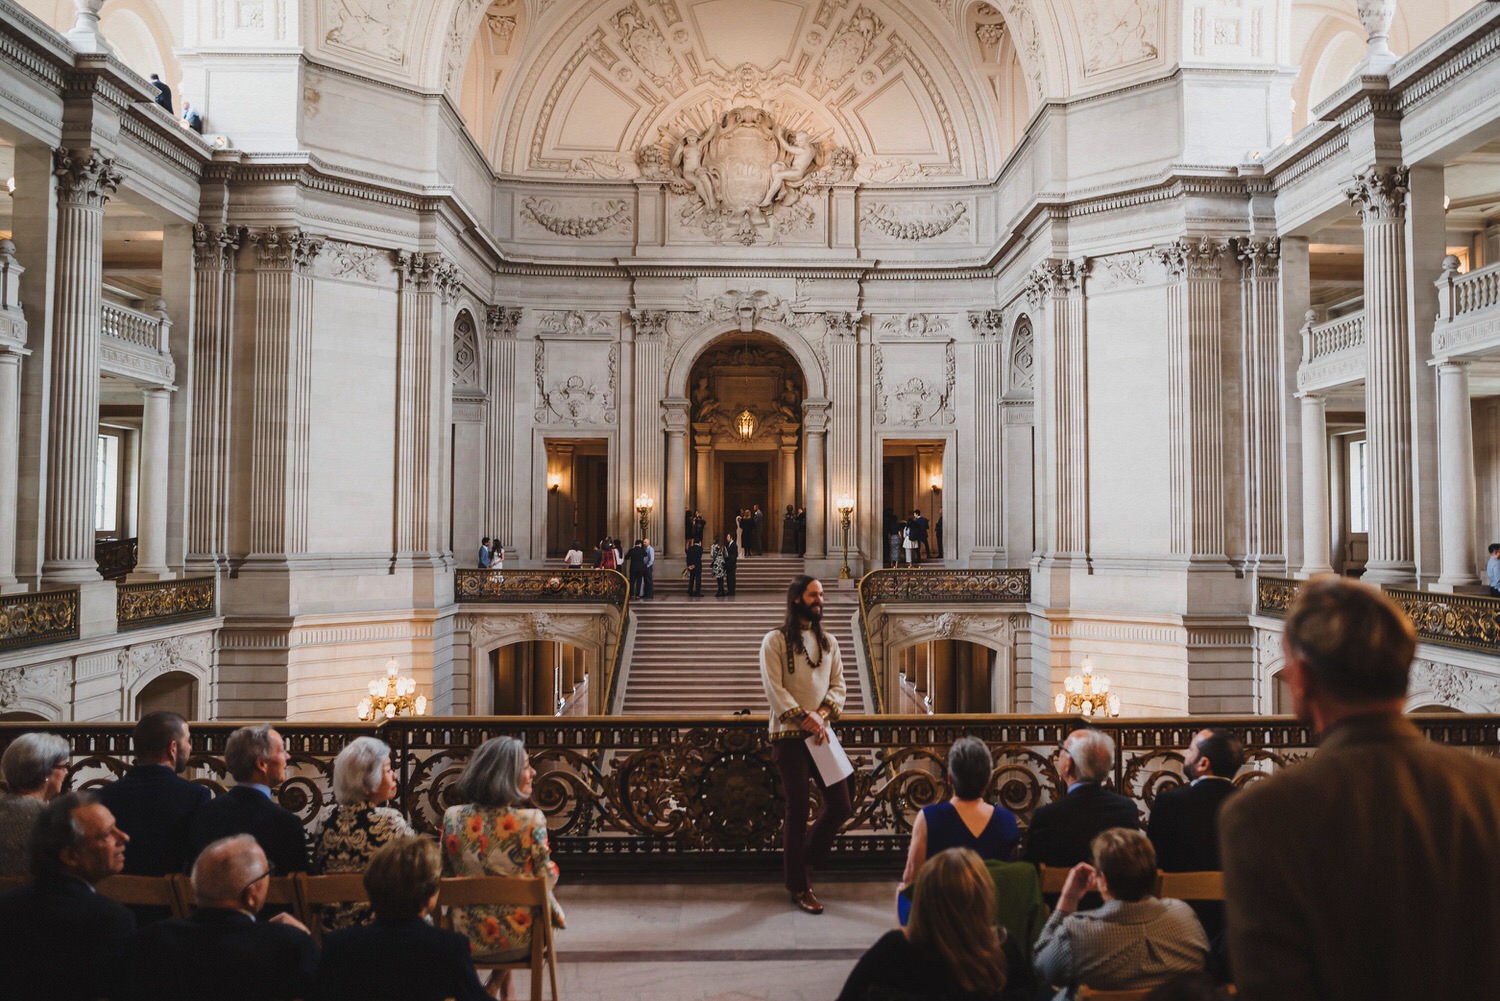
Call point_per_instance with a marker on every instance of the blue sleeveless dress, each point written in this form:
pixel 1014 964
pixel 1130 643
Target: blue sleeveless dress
pixel 946 829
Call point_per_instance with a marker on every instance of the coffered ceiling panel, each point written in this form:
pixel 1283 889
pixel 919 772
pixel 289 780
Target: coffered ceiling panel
pixel 760 32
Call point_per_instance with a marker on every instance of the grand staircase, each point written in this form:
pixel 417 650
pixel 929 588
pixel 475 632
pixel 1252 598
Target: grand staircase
pixel 702 655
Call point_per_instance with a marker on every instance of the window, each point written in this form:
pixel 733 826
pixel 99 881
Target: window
pixel 1359 497
pixel 107 476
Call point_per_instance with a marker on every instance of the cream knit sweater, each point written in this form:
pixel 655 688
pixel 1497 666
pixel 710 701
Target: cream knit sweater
pixel 807 688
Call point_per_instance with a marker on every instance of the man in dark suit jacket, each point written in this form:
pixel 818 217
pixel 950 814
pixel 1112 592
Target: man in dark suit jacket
pixel 1061 832
pixel 695 568
pixel 731 560
pixel 222 952
pixel 1368 871
pixel 57 934
pixel 1184 821
pixel 256 757
pixel 152 802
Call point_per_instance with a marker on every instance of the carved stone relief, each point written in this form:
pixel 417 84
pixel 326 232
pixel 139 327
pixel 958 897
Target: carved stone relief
pixel 145 661
pixel 577 219
pixel 914 325
pixel 355 261
pixel 647 48
pixel 847 50
pixel 1022 378
pixel 39 682
pixel 1445 684
pixel 585 396
pixel 577 323
pixel 914 221
pixel 910 393
pixel 465 354
pixel 1028 42
pixel 1119 33
pixel 371 27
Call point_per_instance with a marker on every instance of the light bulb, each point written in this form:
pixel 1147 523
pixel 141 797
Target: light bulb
pixel 1061 702
pixel 421 705
pixel 1088 708
pixel 374 688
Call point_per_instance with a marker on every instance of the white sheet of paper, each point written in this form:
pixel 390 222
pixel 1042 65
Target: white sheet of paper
pixel 833 764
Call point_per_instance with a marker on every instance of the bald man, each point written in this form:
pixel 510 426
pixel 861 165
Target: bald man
pixel 223 951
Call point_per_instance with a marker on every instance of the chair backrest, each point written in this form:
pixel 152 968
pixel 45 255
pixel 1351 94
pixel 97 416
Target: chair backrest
pixel 1086 993
pixel 1193 885
pixel 1018 902
pixel 1053 877
pixel 281 891
pixel 148 891
pixel 317 892
pixel 516 891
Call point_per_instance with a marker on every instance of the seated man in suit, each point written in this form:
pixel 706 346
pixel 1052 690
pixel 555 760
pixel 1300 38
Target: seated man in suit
pixel 222 951
pixel 257 758
pixel 1061 832
pixel 56 933
pixel 152 802
pixel 402 883
pixel 1368 870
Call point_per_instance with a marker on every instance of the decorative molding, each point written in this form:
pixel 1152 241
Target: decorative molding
pixel 353 260
pixel 587 219
pixel 502 321
pixel 987 323
pixel 916 221
pixel 577 323
pixel 85 178
pixel 280 249
pixel 1193 259
pixel 46 683
pixel 192 654
pixel 1379 193
pixel 1258 258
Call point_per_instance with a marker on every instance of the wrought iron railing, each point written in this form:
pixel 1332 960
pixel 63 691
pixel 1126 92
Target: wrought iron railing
pixel 116 557
pixel 1274 595
pixel 526 587
pixel 896 586
pixel 38 617
pixel 1469 621
pixel 648 791
pixel 155 603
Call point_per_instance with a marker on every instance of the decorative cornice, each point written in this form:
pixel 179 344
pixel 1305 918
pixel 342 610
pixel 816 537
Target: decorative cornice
pixel 1379 193
pixel 84 177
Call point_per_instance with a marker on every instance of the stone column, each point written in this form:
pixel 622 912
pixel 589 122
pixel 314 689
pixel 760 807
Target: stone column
pixel 1379 195
pixel 10 434
pixel 85 182
pixel 501 323
pixel 418 399
pixel 151 561
pixel 671 537
pixel 1059 286
pixel 815 429
pixel 988 476
pixel 1315 513
pixel 211 385
pixel 1264 454
pixel 788 471
pixel 1456 484
pixel 703 446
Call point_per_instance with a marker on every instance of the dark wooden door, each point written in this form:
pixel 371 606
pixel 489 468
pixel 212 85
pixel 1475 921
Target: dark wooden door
pixel 745 485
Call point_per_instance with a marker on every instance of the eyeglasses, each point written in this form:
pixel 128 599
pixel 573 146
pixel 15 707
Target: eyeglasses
pixel 270 871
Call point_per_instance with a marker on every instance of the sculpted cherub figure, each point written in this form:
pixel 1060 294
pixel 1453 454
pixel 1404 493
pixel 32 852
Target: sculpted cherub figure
pixel 688 158
pixel 800 147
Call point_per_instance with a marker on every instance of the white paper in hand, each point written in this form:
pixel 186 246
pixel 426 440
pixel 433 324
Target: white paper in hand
pixel 833 764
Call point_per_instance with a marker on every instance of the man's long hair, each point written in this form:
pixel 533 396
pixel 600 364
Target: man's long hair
pixel 791 626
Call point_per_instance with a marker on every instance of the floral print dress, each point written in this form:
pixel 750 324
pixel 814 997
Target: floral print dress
pixel 351 835
pixel 497 841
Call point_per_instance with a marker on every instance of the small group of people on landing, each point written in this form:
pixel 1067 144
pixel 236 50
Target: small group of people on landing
pixel 491 553
pixel 907 541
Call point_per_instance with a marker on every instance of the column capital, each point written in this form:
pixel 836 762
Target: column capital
pixel 215 247
pixel 1379 193
pixel 283 249
pixel 502 321
pixel 1193 258
pixel 84 177
pixel 988 323
pixel 1451 366
pixel 842 324
pixel 674 415
pixel 649 323
pixel 815 416
pixel 1258 258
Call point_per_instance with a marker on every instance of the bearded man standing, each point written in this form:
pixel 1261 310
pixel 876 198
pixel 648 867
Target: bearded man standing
pixel 804 681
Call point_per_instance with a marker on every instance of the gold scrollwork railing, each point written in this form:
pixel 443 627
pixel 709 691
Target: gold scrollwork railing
pixel 649 791
pixel 1274 595
pixel 894 585
pixel 116 557
pixel 1469 621
pixel 527 587
pixel 154 603
pixel 38 617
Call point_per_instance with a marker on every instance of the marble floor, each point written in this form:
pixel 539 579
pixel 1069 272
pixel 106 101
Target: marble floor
pixel 727 941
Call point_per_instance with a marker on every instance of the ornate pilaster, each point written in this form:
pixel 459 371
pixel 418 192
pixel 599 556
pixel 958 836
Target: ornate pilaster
pixel 1456 481
pixel 281 410
pixel 1379 195
pixel 424 280
pixel 674 417
pixel 814 474
pixel 647 470
pixel 500 352
pixel 1316 543
pixel 842 450
pixel 988 474
pixel 85 182
pixel 1196 405
pixel 210 501
pixel 1260 262
pixel 1058 287
pixel 12 350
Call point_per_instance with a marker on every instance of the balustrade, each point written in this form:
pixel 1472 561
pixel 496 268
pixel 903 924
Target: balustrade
pixel 144 330
pixel 155 603
pixel 1322 340
pixel 38 617
pixel 650 791
pixel 1459 294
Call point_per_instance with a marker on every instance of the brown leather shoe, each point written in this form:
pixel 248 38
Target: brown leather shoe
pixel 808 901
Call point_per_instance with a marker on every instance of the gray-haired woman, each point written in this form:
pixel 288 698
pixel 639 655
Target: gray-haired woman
pixel 359 826
pixel 494 835
pixel 35 766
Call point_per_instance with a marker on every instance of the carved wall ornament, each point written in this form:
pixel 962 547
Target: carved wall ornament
pixel 650 323
pixel 1055 277
pixel 373 27
pixel 916 220
pixel 41 682
pixel 190 653
pixel 597 217
pixel 84 177
pixel 991 35
pixel 354 260
pixel 1124 269
pixel 1187 258
pixel 842 324
pixel 647 48
pixel 1468 691
pixel 216 247
pixel 465 373
pixel 987 323
pixel 914 325
pixel 279 249
pixel 914 401
pixel 1028 41
pixel 460 38
pixel 747 309
pixel 1023 360
pixel 577 323
pixel 1379 193
pixel 1258 258
pixel 846 50
pixel 576 399
pixel 1118 33
pixel 502 321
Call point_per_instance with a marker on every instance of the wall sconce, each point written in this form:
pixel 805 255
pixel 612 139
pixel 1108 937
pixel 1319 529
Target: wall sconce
pixel 643 506
pixel 937 482
pixel 554 483
pixel 745 424
pixel 845 508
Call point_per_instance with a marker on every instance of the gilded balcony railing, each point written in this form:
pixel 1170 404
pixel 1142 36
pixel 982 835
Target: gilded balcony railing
pixel 38 617
pixel 1469 621
pixel 1273 595
pixel 893 585
pixel 155 603
pixel 652 792
pixel 560 586
pixel 116 557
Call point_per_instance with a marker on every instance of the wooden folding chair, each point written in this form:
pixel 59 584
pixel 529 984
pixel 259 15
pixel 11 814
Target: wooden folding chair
pixel 318 892
pixel 1053 877
pixel 148 891
pixel 1193 885
pixel 513 891
pixel 1087 993
pixel 281 895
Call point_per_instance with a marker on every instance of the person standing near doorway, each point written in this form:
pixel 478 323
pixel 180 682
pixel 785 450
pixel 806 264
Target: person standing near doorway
pixel 803 675
pixel 757 530
pixel 648 581
pixel 731 558
pixel 484 553
pixel 695 568
pixel 716 565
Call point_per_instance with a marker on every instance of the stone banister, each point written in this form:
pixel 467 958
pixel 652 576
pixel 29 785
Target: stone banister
pixel 1323 340
pixel 1462 294
pixel 144 330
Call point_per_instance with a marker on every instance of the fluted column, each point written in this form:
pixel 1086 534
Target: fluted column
pixel 501 323
pixel 156 419
pixel 1379 195
pixel 814 476
pixel 210 503
pixel 426 280
pixel 10 435
pixel 1456 486
pixel 1315 513
pixel 1262 367
pixel 85 182
pixel 1059 286
pixel 788 471
pixel 670 541
pixel 987 478
pixel 703 450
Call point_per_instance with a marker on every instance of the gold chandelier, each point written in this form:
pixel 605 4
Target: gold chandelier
pixel 1085 695
pixel 745 423
pixel 392 696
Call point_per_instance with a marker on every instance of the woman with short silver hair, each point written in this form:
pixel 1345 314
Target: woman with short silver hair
pixel 494 834
pixel 359 825
pixel 35 766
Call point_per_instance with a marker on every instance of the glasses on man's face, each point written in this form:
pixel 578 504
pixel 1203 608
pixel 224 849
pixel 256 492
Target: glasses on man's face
pixel 270 871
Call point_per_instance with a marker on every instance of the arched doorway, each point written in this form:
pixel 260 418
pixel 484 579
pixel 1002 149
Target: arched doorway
pixel 539 678
pixel 952 676
pixel 746 392
pixel 174 691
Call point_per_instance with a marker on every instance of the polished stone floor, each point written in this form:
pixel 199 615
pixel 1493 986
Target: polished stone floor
pixel 730 941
